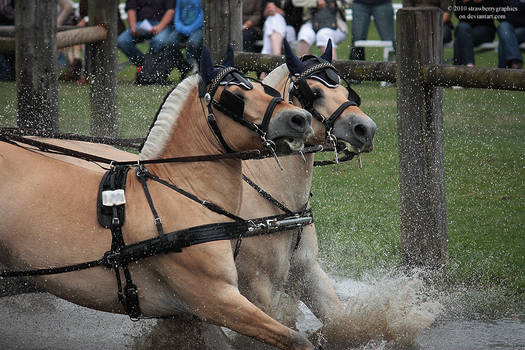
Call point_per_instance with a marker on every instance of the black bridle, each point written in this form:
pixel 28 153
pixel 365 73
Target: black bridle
pixel 233 106
pixel 300 89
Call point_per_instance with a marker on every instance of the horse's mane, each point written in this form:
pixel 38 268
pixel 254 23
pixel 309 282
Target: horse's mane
pixel 277 75
pixel 167 117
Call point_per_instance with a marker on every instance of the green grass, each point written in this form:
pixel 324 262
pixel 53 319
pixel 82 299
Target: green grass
pixel 357 210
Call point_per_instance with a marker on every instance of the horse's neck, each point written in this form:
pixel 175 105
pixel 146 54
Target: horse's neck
pixel 215 181
pixel 290 186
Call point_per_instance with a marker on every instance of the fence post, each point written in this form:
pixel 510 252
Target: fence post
pixel 102 68
pixel 36 65
pixel 420 139
pixel 222 26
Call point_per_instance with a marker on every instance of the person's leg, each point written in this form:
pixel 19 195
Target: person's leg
pixel 273 33
pixel 325 34
pixel 7 71
pixel 447 33
pixel 291 35
pixel 520 34
pixel 482 34
pixel 128 44
pixel 194 47
pixel 463 45
pixel 384 21
pixel 305 39
pixel 360 22
pixel 173 51
pixel 508 47
pixel 249 37
pixel 161 40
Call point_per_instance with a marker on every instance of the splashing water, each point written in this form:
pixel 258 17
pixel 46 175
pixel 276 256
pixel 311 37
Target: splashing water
pixel 380 311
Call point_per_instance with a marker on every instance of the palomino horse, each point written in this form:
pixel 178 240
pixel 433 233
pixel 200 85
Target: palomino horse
pixel 286 261
pixel 270 264
pixel 47 212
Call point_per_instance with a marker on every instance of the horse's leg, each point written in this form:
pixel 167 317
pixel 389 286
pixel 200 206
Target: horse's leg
pixel 205 278
pixel 310 282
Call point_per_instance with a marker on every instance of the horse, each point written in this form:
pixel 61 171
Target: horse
pixel 48 207
pixel 287 261
pixel 268 265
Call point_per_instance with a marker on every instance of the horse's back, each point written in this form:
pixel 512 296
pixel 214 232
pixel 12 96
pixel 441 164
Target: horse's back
pixel 43 199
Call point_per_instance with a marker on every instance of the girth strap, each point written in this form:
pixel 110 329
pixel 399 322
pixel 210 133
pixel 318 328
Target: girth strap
pixel 115 179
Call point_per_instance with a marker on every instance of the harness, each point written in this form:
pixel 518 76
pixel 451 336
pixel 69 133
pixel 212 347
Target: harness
pixel 325 72
pixel 111 196
pixel 233 106
pixel 111 201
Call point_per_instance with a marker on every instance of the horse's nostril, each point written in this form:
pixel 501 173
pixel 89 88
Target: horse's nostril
pixel 299 122
pixel 360 130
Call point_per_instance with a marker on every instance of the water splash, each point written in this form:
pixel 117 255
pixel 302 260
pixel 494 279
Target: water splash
pixel 379 311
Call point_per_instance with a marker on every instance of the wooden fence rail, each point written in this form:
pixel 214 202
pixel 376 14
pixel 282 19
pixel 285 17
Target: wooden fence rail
pixel 65 38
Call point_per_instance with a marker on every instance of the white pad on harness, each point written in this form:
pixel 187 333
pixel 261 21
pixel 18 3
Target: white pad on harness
pixel 113 198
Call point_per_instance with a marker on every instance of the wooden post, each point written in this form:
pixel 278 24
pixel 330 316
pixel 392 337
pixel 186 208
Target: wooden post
pixel 102 68
pixel 420 139
pixel 36 65
pixel 222 25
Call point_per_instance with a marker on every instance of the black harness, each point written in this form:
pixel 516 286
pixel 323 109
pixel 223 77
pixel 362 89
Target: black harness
pixel 111 198
pixel 233 106
pixel 325 72
pixel 111 204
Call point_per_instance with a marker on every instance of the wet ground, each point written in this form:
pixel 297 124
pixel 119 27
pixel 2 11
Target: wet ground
pixel 41 321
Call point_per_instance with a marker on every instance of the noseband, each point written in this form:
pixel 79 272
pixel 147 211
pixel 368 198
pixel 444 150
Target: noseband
pixel 302 91
pixel 233 106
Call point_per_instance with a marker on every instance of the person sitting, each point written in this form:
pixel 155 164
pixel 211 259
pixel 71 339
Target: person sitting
pixel 327 21
pixel 282 19
pixel 511 33
pixel 251 23
pixel 475 27
pixel 188 22
pixel 148 20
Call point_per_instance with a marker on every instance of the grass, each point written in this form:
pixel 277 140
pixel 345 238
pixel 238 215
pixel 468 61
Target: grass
pixel 357 210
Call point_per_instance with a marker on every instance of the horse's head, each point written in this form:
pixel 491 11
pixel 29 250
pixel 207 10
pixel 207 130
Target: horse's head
pixel 315 85
pixel 239 102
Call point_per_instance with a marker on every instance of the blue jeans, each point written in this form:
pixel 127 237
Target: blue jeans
pixel 383 19
pixel 7 67
pixel 510 38
pixel 193 47
pixel 466 38
pixel 128 43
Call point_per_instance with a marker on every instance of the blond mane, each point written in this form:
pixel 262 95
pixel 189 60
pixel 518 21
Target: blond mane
pixel 167 118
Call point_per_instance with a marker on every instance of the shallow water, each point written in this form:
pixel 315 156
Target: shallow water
pixel 41 321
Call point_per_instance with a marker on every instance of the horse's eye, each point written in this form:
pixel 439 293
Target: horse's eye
pixel 317 93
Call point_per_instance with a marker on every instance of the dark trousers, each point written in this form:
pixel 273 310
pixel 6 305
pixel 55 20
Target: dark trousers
pixel 466 38
pixel 249 37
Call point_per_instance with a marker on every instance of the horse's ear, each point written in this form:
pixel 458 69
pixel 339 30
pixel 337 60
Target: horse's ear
pixel 229 60
pixel 294 64
pixel 206 65
pixel 327 54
